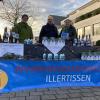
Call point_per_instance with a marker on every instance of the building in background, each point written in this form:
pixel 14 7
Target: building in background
pixel 86 19
pixel 57 20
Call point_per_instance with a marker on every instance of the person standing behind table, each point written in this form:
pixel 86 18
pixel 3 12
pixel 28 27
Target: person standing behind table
pixel 48 30
pixel 69 30
pixel 5 35
pixel 23 29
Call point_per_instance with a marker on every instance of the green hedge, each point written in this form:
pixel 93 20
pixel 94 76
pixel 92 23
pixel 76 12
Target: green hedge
pixel 98 43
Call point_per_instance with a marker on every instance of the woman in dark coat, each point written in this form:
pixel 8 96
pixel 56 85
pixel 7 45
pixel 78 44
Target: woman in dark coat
pixel 70 30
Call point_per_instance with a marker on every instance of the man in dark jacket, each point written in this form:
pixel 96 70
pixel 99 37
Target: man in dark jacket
pixel 48 30
pixel 69 29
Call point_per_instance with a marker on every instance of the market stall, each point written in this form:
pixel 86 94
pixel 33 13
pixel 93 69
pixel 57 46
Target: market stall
pixel 26 66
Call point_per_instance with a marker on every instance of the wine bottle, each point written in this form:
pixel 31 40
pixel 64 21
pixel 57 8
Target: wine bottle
pixel 0 39
pixel 11 38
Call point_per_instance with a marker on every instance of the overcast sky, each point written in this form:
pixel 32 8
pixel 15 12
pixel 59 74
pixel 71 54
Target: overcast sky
pixel 43 8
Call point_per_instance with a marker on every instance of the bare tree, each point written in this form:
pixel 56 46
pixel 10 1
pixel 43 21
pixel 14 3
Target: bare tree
pixel 13 9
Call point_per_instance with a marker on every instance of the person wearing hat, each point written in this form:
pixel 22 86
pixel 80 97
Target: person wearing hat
pixel 48 30
pixel 23 29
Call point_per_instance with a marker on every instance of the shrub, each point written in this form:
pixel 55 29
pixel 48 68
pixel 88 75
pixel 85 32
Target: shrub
pixel 98 43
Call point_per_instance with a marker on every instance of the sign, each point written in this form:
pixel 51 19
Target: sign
pixel 17 49
pixel 54 46
pixel 3 79
pixel 64 35
pixel 22 75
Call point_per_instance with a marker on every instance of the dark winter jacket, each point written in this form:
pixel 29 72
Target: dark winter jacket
pixel 72 32
pixel 48 31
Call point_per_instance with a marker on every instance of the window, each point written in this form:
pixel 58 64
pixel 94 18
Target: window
pixel 88 30
pixel 80 32
pixel 88 15
pixel 97 29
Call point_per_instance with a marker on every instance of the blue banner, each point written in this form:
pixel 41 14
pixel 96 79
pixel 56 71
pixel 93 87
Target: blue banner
pixel 22 74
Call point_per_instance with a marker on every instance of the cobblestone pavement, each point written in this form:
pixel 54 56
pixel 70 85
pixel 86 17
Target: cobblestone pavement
pixel 65 93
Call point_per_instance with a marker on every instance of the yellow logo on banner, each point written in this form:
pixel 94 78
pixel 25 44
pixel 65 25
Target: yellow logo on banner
pixel 3 79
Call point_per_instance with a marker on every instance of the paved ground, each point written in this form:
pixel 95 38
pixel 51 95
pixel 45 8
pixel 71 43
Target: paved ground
pixel 80 93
